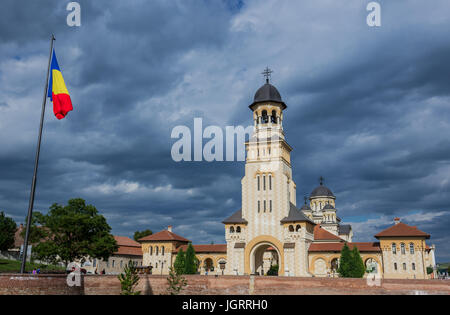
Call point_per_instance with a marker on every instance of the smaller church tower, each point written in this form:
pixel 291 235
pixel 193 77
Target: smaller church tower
pixel 322 210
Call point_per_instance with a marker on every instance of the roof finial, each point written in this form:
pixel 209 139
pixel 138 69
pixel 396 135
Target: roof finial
pixel 321 180
pixel 306 199
pixel 267 73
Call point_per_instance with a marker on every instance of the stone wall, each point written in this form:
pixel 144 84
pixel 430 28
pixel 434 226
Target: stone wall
pixel 37 285
pixel 223 285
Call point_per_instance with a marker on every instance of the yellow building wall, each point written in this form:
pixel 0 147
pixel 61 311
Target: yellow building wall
pixel 405 261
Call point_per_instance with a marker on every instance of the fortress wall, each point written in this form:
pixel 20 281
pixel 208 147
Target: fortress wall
pixel 222 285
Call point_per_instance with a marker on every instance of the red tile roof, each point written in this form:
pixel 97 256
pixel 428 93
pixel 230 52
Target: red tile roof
pixel 126 241
pixel 337 247
pixel 129 250
pixel 402 230
pixel 214 248
pixel 320 234
pixel 164 236
pixel 127 246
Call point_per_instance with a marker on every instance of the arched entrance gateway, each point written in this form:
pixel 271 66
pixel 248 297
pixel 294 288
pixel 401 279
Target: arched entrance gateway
pixel 261 253
pixel 262 257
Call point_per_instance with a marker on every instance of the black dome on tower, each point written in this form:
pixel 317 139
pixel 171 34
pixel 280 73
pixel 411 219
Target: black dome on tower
pixel 268 93
pixel 322 190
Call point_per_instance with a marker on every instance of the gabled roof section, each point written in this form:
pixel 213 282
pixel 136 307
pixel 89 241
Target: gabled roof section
pixel 235 218
pixel 164 236
pixel 402 230
pixel 295 215
pixel 320 234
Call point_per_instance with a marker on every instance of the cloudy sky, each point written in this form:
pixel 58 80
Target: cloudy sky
pixel 368 108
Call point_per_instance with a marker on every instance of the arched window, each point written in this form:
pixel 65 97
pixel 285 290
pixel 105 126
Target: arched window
pixel 404 266
pixel 157 250
pixel 162 250
pixel 259 206
pixel 259 182
pixel 264 182
pixel 274 117
pixel 413 266
pixel 265 206
pixel 238 229
pixel 232 229
pixel 270 182
pixel 291 228
pixel 265 118
pixel 334 265
pixel 270 207
pixel 297 228
pixel 395 266
pixel 411 248
pixel 156 265
pixel 151 250
pixel 402 248
pixel 394 249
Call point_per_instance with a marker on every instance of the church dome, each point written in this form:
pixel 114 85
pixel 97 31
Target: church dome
pixel 268 93
pixel 322 191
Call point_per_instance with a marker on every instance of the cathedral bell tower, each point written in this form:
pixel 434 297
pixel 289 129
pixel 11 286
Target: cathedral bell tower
pixel 271 228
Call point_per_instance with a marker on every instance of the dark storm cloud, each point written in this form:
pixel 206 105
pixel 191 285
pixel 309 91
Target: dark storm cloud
pixel 368 109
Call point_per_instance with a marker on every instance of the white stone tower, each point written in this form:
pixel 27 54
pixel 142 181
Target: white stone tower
pixel 269 219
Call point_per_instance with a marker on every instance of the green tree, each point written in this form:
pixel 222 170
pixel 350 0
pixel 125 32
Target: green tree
pixel 179 262
pixel 176 282
pixel 129 279
pixel 430 270
pixel 358 269
pixel 73 232
pixel 190 261
pixel 345 262
pixel 140 234
pixel 273 271
pixel 8 229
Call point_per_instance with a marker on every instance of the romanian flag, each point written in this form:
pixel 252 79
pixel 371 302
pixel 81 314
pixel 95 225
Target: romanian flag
pixel 57 91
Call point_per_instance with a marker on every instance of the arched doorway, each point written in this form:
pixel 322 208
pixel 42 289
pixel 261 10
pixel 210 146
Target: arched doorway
pixel 371 266
pixel 334 267
pixel 263 257
pixel 256 247
pixel 208 265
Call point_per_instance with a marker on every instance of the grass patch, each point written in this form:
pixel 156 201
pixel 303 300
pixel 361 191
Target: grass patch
pixel 13 266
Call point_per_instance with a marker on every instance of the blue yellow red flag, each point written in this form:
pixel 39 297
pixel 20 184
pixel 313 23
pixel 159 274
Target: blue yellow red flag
pixel 57 90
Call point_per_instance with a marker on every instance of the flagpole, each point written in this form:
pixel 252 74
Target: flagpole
pixel 36 163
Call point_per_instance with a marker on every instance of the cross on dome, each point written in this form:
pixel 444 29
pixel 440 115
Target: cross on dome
pixel 321 179
pixel 267 74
